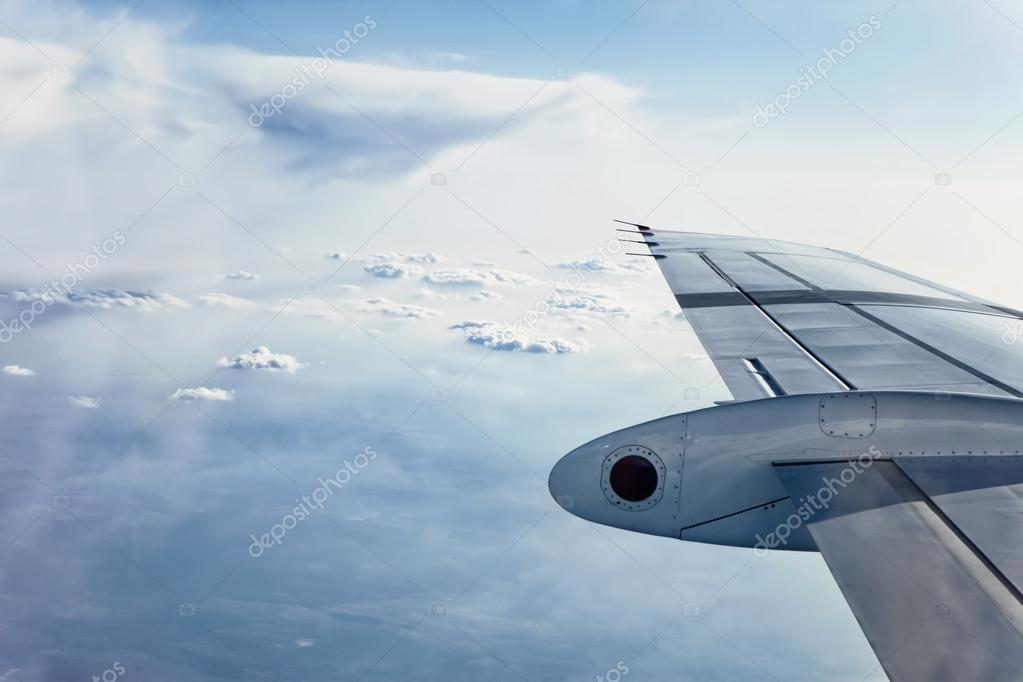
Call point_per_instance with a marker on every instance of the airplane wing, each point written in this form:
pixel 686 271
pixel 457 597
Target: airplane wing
pixel 934 602
pixel 926 551
pixel 781 318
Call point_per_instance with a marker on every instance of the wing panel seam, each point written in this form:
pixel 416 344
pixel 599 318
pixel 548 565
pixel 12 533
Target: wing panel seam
pixel 835 375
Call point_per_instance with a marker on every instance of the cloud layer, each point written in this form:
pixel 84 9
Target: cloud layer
pixel 496 337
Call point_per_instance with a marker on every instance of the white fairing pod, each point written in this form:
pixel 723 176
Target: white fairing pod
pixel 716 479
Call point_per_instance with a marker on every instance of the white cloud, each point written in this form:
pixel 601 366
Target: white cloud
pixel 263 358
pixel 405 257
pixel 394 265
pixel 390 269
pixel 106 299
pixel 604 265
pixel 242 275
pixel 492 335
pixel 14 370
pixel 475 276
pixel 426 292
pixel 588 300
pixel 392 309
pixel 203 393
pixel 88 402
pixel 319 308
pixel 485 295
pixel 226 301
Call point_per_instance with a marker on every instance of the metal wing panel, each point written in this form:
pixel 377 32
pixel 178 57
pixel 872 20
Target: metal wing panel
pixel 991 344
pixel 868 355
pixel 819 320
pixel 983 497
pixel 735 335
pixel 918 588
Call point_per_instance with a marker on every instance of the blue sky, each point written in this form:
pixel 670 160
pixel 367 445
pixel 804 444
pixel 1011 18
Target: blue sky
pixel 253 306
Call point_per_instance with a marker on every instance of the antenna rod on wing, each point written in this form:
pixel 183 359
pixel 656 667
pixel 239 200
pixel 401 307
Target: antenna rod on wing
pixel 642 228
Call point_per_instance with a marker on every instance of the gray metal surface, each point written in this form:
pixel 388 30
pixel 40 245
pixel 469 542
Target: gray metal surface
pixel 983 497
pixel 930 605
pixel 820 320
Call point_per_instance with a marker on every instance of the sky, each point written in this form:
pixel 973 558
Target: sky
pixel 236 275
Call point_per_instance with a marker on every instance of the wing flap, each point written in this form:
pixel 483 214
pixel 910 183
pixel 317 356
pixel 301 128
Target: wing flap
pixel 919 588
pixel 983 497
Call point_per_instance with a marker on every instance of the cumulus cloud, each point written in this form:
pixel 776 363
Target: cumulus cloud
pixel 492 335
pixel 485 295
pixel 16 371
pixel 106 299
pixel 392 309
pixel 589 300
pixel 203 393
pixel 393 265
pixel 406 257
pixel 262 358
pixel 477 276
pixel 226 301
pixel 88 402
pixel 242 275
pixel 390 269
pixel 603 265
